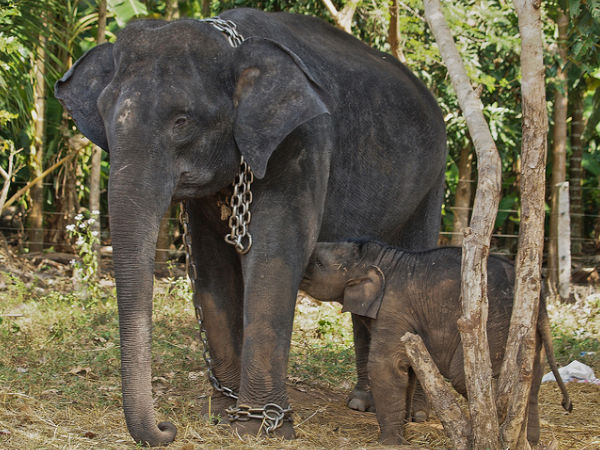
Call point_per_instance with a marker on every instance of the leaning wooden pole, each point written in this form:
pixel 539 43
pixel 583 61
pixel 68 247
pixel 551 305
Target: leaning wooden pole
pixel 515 377
pixel 473 323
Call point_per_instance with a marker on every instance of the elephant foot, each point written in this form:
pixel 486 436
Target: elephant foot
pixel 394 439
pixel 360 400
pixel 256 427
pixel 214 408
pixel 420 415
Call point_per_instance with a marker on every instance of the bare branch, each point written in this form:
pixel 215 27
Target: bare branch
pixel 440 396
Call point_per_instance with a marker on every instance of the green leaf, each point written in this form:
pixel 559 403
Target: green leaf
pixel 126 9
pixel 574 8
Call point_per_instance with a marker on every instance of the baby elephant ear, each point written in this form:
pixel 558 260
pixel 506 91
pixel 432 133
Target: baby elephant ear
pixel 79 88
pixel 275 93
pixel 363 295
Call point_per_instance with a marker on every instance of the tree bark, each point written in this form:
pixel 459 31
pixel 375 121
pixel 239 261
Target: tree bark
pixel 464 191
pixel 394 33
pixel 35 220
pixel 515 378
pixel 172 10
pixel 162 244
pixel 96 169
pixel 473 323
pixel 343 18
pixel 7 175
pixel 205 8
pixel 444 401
pixel 559 148
pixel 576 171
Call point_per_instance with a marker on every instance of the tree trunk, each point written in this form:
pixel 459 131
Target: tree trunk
pixel 35 220
pixel 172 10
pixel 462 202
pixel 7 175
pixel 559 149
pixel 394 33
pixel 446 406
pixel 205 8
pixel 96 169
pixel 575 169
pixel 343 18
pixel 515 378
pixel 162 244
pixel 473 324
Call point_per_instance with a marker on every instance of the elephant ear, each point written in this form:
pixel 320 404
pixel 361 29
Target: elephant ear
pixel 363 296
pixel 274 94
pixel 79 88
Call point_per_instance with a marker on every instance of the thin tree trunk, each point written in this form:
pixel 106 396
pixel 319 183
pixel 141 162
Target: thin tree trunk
pixel 343 18
pixel 96 169
pixel 162 244
pixel 559 149
pixel 394 33
pixel 473 323
pixel 575 170
pixel 7 176
pixel 515 377
pixel 464 191
pixel 446 406
pixel 35 220
pixel 205 8
pixel 172 10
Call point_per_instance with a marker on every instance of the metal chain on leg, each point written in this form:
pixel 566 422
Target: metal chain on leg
pixel 193 276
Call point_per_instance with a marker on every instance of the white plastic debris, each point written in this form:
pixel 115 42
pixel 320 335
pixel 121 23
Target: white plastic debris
pixel 576 372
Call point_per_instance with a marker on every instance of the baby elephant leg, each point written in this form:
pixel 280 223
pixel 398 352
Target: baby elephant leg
pixel 390 385
pixel 361 398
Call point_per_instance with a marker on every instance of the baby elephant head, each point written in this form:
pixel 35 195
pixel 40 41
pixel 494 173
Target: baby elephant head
pixel 341 272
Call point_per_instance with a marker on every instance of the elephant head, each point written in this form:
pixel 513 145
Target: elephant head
pixel 344 272
pixel 176 106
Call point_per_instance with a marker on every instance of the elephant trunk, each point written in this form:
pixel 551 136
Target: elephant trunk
pixel 135 212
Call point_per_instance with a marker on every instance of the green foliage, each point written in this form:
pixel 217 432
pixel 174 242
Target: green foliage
pixel 124 10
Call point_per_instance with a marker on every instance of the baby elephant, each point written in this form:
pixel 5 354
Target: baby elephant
pixel 398 291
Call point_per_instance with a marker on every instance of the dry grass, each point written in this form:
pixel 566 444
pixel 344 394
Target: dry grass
pixel 60 385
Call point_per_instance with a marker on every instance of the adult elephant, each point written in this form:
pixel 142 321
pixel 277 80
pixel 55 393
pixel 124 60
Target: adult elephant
pixel 343 142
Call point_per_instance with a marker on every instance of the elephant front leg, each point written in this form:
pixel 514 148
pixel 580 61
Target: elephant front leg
pixel 390 384
pixel 218 299
pixel 361 398
pixel 270 297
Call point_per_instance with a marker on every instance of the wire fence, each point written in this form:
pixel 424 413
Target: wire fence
pixel 17 233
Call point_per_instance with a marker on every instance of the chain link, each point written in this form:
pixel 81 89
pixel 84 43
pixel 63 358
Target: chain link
pixel 272 415
pixel 227 27
pixel 239 220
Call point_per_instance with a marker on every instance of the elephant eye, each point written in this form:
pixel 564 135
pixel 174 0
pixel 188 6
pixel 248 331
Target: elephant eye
pixel 180 121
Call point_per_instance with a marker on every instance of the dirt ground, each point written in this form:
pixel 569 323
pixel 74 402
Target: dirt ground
pixel 39 417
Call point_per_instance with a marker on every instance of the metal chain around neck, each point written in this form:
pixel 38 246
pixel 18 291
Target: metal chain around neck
pixel 227 27
pixel 239 220
pixel 241 198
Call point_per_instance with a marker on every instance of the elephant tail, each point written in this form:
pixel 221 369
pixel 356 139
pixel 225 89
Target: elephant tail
pixel 544 330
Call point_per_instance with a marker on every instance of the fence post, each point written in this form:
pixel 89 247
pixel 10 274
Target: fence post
pixel 564 241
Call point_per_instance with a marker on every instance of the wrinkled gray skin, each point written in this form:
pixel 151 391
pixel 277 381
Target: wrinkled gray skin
pixel 396 292
pixel 343 140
